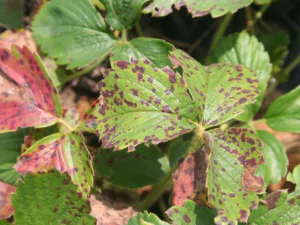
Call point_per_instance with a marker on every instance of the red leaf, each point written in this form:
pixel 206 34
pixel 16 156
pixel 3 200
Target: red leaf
pixel 6 209
pixel 27 96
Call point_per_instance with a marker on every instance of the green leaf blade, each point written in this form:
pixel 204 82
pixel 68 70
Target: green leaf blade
pixel 146 219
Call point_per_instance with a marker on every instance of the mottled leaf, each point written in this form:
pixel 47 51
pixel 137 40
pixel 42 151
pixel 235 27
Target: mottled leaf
pixel 196 7
pixel 295 178
pixel 73 32
pixel 232 185
pixel 27 96
pixel 246 50
pixel 71 117
pixel 55 201
pixel 191 213
pixel 146 165
pixel 123 14
pixel 64 152
pixel 142 104
pixel 283 114
pixel 146 219
pixel 89 123
pixel 276 161
pixel 155 50
pixel 11 13
pixel 221 92
pixel 278 211
pixel 6 209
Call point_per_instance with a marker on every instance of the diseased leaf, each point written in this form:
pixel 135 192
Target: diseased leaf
pixel 6 209
pixel 64 152
pixel 155 50
pixel 243 49
pixel 11 13
pixel 27 98
pixel 279 210
pixel 89 123
pixel 146 219
pixel 20 37
pixel 197 8
pixel 283 114
pixel 73 32
pixel 295 178
pixel 221 92
pixel 57 201
pixel 192 214
pixel 71 117
pixel 276 161
pixel 142 104
pixel 146 165
pixel 123 14
pixel 232 185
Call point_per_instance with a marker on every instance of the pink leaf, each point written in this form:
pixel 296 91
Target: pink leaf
pixel 6 209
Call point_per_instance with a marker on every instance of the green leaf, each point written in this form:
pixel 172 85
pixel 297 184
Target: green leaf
pixel 66 153
pixel 142 104
pixel 146 165
pixel 241 48
pixel 232 185
pixel 11 13
pixel 197 8
pixel 150 219
pixel 10 150
pixel 263 2
pixel 295 178
pixel 50 199
pixel 123 14
pixel 4 222
pixel 221 92
pixel 192 214
pixel 276 161
pixel 283 114
pixel 73 32
pixel 155 50
pixel 177 150
pixel 279 210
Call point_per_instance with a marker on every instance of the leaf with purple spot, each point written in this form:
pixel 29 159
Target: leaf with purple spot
pixel 196 7
pixel 231 181
pixel 64 152
pixel 55 201
pixel 146 218
pixel 142 104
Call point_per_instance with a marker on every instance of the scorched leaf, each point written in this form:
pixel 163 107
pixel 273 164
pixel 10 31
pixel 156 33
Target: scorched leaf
pixel 6 209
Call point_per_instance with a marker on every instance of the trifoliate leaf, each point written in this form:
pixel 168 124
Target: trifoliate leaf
pixel 283 114
pixel 73 32
pixel 221 92
pixel 276 161
pixel 123 14
pixel 295 178
pixel 155 50
pixel 243 49
pixel 197 8
pixel 191 213
pixel 279 210
pixel 6 209
pixel 146 219
pixel 142 104
pixel 64 152
pixel 50 199
pixel 146 165
pixel 28 98
pixel 12 13
pixel 232 185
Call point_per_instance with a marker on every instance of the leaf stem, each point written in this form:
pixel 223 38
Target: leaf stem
pixel 290 67
pixel 63 122
pixel 255 122
pixel 139 30
pixel 124 35
pixel 249 19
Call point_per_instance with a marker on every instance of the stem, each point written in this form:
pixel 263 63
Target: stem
pixel 260 13
pixel 255 122
pixel 99 5
pixel 61 121
pixel 289 68
pixel 249 19
pixel 124 35
pixel 139 30
pixel 163 208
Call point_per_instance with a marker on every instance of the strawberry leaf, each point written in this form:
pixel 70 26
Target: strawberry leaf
pixel 146 219
pixel 11 13
pixel 241 48
pixel 295 178
pixel 221 92
pixel 73 32
pixel 123 14
pixel 279 210
pixel 142 104
pixel 232 185
pixel 146 165
pixel 57 201
pixel 274 154
pixel 64 152
pixel 191 213
pixel 6 209
pixel 155 50
pixel 197 8
pixel 28 97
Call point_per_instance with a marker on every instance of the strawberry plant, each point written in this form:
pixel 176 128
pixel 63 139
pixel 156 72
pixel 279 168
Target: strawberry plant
pixel 167 125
